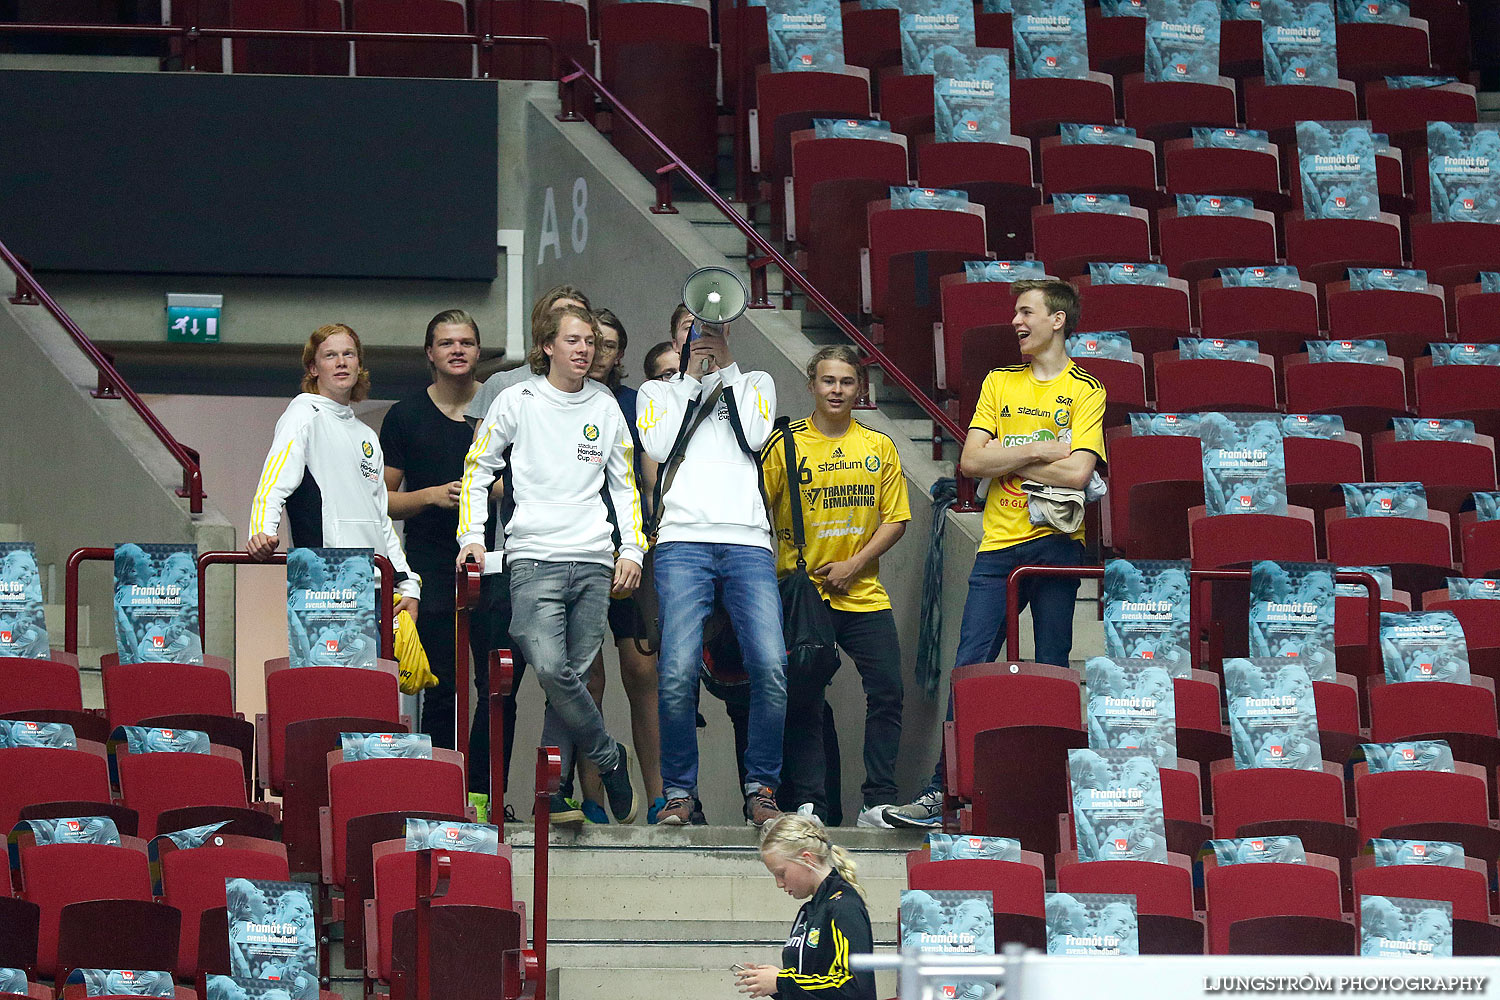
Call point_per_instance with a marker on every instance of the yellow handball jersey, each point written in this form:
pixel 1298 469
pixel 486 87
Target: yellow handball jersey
pixel 1016 407
pixel 850 486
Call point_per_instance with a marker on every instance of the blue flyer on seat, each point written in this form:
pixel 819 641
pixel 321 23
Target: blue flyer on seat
pixel 1132 706
pixel 186 840
pixel 949 922
pixel 1418 82
pixel 1382 575
pixel 1373 11
pixel 1254 139
pixel 1092 923
pixel 1464 169
pixel 1259 850
pixel 1462 588
pixel 20 733
pixel 72 830
pixel 995 7
pixel 13 981
pixel 853 128
pixel 1004 270
pixel 1117 808
pixel 1239 10
pixel 1489 282
pixel 474 838
pixel 366 746
pixel 1146 605
pixel 1216 349
pixel 1385 500
pixel 1104 204
pixel 1215 204
pixel 124 983
pixel 929 29
pixel 1465 354
pixel 23 626
pixel 1128 273
pixel 1165 424
pixel 964 847
pixel 1408 755
pixel 1432 429
pixel 942 199
pixel 971 94
pixel 1050 39
pixel 1269 276
pixel 330 608
pixel 1291 614
pixel 1487 506
pixel 1122 8
pixel 1423 646
pixel 1113 345
pixel 805 35
pixel 156 603
pixel 1442 853
pixel 1387 279
pixel 1082 134
pixel 1393 927
pixel 144 739
pixel 273 932
pixel 244 988
pixel 1273 718
pixel 1182 41
pixel 875 5
pixel 1336 161
pixel 1347 352
pixel 1298 42
pixel 1329 426
pixel 1244 465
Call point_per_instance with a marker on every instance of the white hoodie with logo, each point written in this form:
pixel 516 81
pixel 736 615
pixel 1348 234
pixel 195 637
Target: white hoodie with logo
pixel 322 439
pixel 715 496
pixel 565 447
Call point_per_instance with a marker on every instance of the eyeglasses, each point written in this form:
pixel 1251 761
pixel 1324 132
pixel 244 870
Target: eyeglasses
pixel 663 377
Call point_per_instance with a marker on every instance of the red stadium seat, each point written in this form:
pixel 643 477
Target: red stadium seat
pixel 1117 45
pixel 1198 385
pixel 36 684
pixel 1465 887
pixel 1245 173
pixel 1280 320
pixel 905 230
pixel 970 305
pixel 1419 552
pixel 991 696
pixel 1406 711
pixel 906 101
pixel 836 233
pixel 1461 392
pixel 1397 798
pixel 1102 168
pixel 1322 250
pixel 1240 49
pixel 1161 110
pixel 1068 241
pixel 1338 717
pixel 151 783
pixel 1141 460
pixel 1017 886
pixel 1265 794
pixel 1157 888
pixel 872 39
pixel 805 95
pixel 361 787
pixel 1366 396
pixel 254 55
pixel 1273 889
pixel 1314 469
pixel 1278 108
pixel 319 692
pixel 1406 321
pixel 1451 471
pixel 817 160
pixel 1154 315
pixel 996 175
pixel 1038 105
pixel 1448 34
pixel 193 881
pixel 1374 50
pixel 1477 315
pixel 913 308
pixel 136 691
pixel 1021 783
pixel 56 875
pixel 1291 935
pixel 1403 114
pixel 32 775
pixel 1196 246
pixel 1451 252
pixel 757 49
pixel 1124 386
pixel 1230 540
pixel 449 59
pixel 567 25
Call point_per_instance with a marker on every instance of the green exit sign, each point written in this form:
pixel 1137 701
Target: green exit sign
pixel 194 319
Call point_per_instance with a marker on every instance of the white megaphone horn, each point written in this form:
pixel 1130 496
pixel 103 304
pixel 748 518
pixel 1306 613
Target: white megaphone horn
pixel 715 296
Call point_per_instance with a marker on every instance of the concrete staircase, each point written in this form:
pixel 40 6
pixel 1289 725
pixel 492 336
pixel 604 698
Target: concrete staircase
pixel 637 913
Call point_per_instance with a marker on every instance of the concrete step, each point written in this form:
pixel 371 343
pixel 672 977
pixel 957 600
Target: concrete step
pixel 57 616
pixel 650 971
pixel 638 883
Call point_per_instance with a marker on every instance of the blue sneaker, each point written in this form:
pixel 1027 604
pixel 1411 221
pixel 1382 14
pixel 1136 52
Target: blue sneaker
pixel 924 813
pixel 655 807
pixel 593 812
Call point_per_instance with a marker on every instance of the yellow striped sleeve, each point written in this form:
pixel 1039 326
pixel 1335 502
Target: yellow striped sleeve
pixel 838 972
pixel 471 464
pixel 268 476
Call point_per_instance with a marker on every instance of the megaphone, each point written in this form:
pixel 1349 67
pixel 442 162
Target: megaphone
pixel 715 296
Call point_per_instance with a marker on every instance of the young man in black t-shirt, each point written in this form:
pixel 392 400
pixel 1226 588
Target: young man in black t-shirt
pixel 425 438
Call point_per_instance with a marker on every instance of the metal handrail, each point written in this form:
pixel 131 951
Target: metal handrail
pixel 768 255
pixel 111 385
pixel 192 33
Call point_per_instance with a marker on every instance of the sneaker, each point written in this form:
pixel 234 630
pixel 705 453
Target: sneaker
pixel 617 786
pixel 593 812
pixel 874 817
pixel 808 809
pixel 653 809
pixel 696 817
pixel 675 812
pixel 566 811
pixel 760 807
pixel 923 813
pixel 481 804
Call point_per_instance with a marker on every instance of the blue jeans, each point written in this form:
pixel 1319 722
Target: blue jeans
pixel 558 615
pixel 981 636
pixel 688 575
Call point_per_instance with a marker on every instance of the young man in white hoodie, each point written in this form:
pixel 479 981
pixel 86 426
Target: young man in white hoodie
pixel 714 535
pixel 326 465
pixel 568 440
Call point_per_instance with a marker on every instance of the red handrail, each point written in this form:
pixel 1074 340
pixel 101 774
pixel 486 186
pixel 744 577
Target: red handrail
pixel 768 255
pixel 111 385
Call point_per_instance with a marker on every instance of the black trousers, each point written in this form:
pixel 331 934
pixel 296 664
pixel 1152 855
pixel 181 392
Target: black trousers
pixel 435 622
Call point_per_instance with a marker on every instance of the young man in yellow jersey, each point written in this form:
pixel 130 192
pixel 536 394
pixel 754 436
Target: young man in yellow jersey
pixel 1042 421
pixel 854 508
